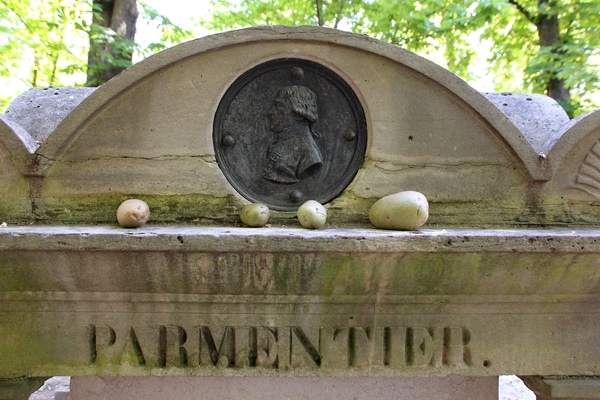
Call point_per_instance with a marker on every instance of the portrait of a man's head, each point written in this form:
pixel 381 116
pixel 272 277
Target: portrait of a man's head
pixel 293 154
pixel 287 131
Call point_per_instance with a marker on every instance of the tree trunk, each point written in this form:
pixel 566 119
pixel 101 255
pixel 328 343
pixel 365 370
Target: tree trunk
pixel 111 39
pixel 548 30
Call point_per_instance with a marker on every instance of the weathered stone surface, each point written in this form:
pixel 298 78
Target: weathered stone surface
pixel 294 302
pixel 18 388
pixel 15 148
pixel 540 118
pixel 564 388
pixel 448 388
pixel 40 111
pixel 574 161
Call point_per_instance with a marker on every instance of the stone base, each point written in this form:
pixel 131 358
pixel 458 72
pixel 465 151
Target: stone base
pixel 183 388
pixel 19 389
pixel 563 388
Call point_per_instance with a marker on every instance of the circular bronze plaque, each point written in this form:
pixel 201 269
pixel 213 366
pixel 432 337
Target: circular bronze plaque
pixel 288 131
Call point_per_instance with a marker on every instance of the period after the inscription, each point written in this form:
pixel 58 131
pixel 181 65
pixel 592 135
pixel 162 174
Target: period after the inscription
pixel 287 131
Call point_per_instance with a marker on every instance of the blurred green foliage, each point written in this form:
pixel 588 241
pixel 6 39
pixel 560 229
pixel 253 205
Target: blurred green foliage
pixel 507 43
pixel 508 32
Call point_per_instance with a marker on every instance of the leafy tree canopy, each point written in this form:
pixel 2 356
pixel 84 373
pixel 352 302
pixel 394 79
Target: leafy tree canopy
pixel 46 42
pixel 41 42
pixel 536 46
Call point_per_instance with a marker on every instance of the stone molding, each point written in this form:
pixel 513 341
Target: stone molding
pixel 291 302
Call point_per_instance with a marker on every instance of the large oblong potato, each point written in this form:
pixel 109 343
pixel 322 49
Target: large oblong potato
pixel 400 211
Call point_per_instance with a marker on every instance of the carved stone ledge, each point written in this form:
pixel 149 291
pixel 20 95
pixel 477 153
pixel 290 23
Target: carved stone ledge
pixel 294 302
pixel 564 387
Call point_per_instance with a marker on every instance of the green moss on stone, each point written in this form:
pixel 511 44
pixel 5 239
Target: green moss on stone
pixel 101 209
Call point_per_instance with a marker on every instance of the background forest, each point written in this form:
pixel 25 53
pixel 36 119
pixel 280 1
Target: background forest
pixel 530 46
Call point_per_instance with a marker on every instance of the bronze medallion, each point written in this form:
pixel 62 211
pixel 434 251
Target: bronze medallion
pixel 288 131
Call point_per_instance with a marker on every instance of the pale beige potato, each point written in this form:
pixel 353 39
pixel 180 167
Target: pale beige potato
pixel 400 211
pixel 133 213
pixel 255 215
pixel 312 215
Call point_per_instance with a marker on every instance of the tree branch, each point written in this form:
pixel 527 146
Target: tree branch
pixel 319 6
pixel 339 16
pixel 523 11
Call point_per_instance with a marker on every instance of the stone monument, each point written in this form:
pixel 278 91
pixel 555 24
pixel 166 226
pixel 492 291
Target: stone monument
pixel 503 279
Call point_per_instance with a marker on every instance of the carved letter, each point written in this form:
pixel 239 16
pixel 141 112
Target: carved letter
pixel 359 345
pixel 171 344
pixel 244 345
pixel 335 348
pixel 426 346
pixel 102 340
pixel 345 347
pixel 455 346
pixel 391 343
pixel 304 354
pixel 266 347
pixel 107 346
pixel 284 348
pixel 133 350
pixel 220 354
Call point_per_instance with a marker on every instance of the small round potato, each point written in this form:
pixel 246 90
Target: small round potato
pixel 133 213
pixel 312 215
pixel 401 211
pixel 255 215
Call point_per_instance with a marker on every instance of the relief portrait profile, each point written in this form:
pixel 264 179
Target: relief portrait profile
pixel 289 130
pixel 292 153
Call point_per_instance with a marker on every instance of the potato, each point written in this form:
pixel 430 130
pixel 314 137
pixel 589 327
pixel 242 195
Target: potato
pixel 255 215
pixel 312 215
pixel 401 211
pixel 133 213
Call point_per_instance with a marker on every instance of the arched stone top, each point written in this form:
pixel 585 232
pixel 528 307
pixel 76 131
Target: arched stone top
pixel 17 141
pixel 509 159
pixel 295 39
pixel 16 147
pixel 574 160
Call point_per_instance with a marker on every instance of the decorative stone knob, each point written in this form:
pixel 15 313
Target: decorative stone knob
pixel 295 196
pixel 297 73
pixel 228 141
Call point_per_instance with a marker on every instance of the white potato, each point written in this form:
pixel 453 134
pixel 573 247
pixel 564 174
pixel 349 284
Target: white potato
pixel 255 215
pixel 312 215
pixel 401 211
pixel 133 213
